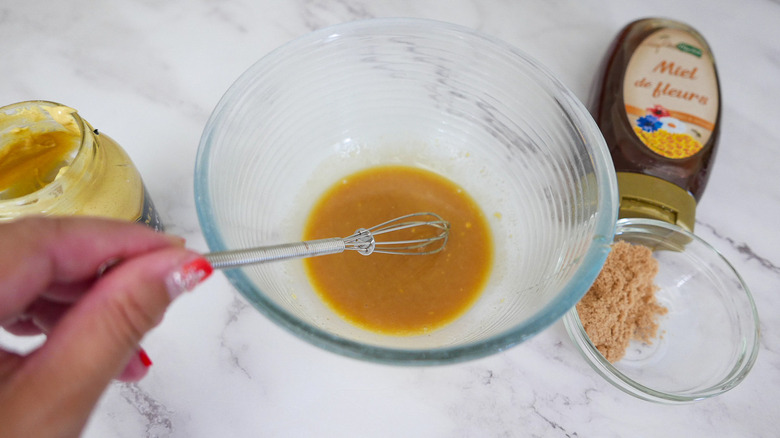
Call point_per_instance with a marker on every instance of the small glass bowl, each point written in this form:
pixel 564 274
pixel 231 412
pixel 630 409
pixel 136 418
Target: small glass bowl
pixel 707 341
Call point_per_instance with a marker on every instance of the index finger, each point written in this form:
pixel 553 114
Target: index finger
pixel 47 253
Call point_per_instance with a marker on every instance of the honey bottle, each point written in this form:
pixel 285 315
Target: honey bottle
pixel 53 162
pixel 659 108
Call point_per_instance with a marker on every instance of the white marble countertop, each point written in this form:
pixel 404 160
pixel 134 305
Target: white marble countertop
pixel 149 74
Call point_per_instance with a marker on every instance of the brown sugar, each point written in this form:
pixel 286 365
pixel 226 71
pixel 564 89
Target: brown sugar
pixel 621 304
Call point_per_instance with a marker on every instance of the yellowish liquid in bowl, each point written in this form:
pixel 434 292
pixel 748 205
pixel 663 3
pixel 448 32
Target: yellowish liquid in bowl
pixel 399 294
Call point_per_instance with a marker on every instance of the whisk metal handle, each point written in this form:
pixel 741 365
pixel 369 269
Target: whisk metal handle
pixel 274 253
pixel 361 241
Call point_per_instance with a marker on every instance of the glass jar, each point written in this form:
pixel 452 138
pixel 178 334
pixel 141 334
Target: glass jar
pixel 53 162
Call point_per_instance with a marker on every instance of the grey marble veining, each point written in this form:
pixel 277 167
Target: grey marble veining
pixel 149 74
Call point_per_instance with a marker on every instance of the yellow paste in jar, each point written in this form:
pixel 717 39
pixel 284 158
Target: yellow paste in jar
pixel 30 159
pixel 34 160
pixel 399 294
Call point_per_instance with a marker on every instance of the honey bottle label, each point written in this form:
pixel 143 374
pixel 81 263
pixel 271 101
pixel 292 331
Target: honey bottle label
pixel 671 93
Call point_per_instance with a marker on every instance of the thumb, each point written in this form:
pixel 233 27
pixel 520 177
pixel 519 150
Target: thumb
pixel 94 341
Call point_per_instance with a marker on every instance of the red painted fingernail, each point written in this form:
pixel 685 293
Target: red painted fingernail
pixel 144 358
pixel 186 278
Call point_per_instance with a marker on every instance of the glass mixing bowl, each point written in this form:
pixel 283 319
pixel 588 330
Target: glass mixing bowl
pixel 418 93
pixel 707 341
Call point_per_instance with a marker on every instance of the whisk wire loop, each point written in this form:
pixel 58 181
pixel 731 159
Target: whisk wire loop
pixel 433 244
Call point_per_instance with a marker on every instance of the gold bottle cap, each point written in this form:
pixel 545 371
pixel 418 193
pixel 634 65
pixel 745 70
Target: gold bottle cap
pixel 645 196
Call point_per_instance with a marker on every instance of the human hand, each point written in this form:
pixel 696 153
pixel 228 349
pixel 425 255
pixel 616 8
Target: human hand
pixel 54 280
